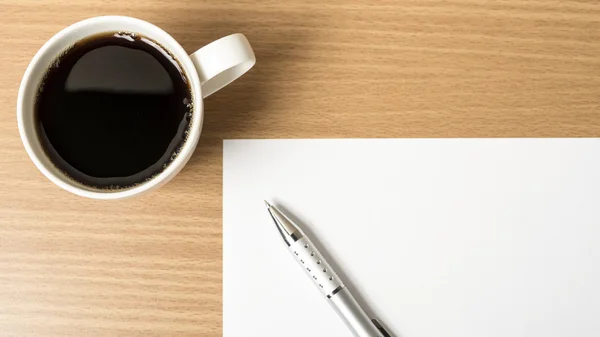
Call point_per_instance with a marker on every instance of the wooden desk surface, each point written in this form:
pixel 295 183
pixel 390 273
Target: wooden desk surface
pixel 416 68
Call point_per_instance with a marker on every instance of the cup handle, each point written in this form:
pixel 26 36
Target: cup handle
pixel 222 62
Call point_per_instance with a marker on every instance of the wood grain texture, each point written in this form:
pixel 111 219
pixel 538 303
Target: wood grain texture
pixel 427 68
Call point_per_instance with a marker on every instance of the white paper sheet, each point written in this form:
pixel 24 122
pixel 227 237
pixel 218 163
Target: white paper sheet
pixel 439 237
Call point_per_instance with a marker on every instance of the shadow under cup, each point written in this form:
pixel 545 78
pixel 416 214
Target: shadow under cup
pixel 110 114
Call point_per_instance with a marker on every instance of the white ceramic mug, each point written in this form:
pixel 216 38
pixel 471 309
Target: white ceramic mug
pixel 208 70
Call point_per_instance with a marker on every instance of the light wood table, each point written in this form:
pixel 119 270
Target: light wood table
pixel 417 68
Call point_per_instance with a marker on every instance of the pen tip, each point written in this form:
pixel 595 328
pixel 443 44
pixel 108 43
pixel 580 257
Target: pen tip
pixel 267 204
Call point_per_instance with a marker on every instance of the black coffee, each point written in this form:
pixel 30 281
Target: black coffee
pixel 113 110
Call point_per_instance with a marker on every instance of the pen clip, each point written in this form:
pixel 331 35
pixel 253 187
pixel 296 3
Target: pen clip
pixel 380 328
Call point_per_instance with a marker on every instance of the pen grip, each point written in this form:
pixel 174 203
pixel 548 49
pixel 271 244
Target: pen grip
pixel 313 263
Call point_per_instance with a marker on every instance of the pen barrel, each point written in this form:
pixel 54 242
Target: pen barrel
pixel 313 263
pixel 330 285
pixel 353 315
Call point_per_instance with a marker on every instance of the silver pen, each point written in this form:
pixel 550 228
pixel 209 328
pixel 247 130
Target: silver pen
pixel 325 278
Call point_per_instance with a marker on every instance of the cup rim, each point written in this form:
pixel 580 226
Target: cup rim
pixel 73 186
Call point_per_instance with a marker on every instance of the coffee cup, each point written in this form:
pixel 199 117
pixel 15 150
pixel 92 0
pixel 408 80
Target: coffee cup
pixel 62 159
